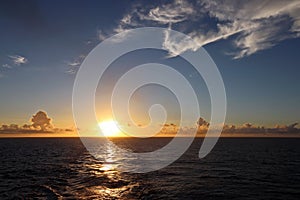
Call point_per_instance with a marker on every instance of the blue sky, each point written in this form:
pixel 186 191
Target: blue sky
pixel 255 46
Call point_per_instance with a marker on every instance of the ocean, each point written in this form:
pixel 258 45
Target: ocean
pixel 237 168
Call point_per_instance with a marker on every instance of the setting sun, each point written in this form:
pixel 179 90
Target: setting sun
pixel 110 128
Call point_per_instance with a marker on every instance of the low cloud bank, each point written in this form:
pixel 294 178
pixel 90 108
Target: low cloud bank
pixel 41 123
pixel 247 128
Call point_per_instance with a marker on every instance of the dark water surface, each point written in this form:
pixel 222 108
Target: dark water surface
pixel 237 168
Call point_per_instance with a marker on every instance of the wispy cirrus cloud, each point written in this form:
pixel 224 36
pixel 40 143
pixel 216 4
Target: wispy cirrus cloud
pixel 265 23
pixel 13 61
pixel 176 12
pixel 74 65
pixel 18 60
pixel 256 24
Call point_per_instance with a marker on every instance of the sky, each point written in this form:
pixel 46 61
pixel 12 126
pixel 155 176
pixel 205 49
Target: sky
pixel 255 45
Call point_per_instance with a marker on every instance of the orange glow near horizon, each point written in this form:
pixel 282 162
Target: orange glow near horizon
pixel 110 128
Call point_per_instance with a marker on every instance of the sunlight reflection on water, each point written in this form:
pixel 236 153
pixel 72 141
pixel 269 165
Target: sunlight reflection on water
pixel 114 184
pixel 56 168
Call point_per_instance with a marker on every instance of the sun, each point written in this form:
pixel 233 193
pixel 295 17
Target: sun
pixel 110 128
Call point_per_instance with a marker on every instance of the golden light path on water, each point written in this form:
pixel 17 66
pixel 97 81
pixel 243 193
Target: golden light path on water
pixel 115 184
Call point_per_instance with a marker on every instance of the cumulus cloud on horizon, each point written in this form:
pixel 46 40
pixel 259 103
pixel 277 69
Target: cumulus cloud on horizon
pixel 256 25
pixel 41 123
pixel 246 128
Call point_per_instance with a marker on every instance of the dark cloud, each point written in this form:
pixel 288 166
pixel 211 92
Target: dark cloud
pixel 41 121
pixel 249 128
pixel 202 122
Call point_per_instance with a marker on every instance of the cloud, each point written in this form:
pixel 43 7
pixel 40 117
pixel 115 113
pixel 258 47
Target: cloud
pixel 202 122
pixel 141 16
pixel 74 65
pixel 256 24
pixel 202 127
pixel 13 61
pixel 176 12
pixel 250 128
pixel 101 36
pixel 264 23
pixel 169 128
pixel 6 66
pixel 41 120
pixel 41 123
pixel 18 60
pixel 71 71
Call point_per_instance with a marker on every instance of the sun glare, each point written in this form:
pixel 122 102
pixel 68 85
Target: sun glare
pixel 109 128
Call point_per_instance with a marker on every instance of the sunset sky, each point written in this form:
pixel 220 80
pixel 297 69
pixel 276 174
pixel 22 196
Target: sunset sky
pixel 255 46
